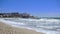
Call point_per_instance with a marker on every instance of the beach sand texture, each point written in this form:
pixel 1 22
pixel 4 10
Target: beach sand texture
pixel 7 29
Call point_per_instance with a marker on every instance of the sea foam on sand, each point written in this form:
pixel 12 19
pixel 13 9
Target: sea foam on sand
pixel 15 24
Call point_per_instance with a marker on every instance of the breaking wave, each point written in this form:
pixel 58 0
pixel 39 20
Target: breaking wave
pixel 48 26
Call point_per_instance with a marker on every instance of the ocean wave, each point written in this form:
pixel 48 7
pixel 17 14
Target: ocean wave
pixel 48 26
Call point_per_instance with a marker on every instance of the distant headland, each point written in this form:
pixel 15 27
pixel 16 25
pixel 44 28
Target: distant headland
pixel 20 15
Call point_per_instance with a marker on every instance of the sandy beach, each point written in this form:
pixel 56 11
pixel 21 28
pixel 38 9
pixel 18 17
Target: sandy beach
pixel 7 29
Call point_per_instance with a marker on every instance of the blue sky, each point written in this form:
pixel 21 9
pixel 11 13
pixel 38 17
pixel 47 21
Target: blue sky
pixel 42 8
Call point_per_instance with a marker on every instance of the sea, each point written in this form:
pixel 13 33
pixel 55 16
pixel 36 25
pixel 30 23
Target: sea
pixel 44 25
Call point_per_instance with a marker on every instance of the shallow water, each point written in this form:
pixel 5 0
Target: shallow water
pixel 48 26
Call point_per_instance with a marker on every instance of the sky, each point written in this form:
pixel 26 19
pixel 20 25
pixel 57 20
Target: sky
pixel 41 8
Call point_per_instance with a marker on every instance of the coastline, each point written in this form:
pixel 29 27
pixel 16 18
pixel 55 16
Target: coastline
pixel 17 28
pixel 7 29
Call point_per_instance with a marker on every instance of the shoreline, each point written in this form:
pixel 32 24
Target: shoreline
pixel 15 25
pixel 7 29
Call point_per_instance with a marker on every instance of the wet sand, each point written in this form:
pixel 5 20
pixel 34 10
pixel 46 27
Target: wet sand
pixel 7 29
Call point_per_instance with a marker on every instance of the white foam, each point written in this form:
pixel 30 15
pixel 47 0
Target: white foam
pixel 47 31
pixel 11 22
pixel 15 24
pixel 50 20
